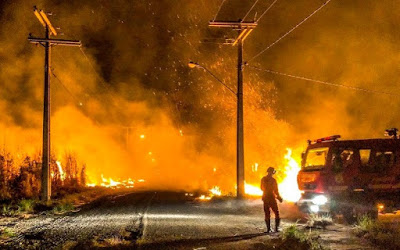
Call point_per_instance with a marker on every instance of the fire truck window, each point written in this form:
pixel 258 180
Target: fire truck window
pixel 316 158
pixel 342 159
pixel 365 160
pixel 364 156
pixel 384 160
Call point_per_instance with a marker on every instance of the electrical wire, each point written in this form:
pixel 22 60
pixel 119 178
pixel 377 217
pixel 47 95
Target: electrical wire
pixel 272 4
pixel 290 31
pixel 322 82
pixel 222 3
pixel 248 12
pixel 78 103
pixel 94 69
pixel 65 87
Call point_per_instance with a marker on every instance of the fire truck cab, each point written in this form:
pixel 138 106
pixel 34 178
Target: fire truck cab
pixel 350 177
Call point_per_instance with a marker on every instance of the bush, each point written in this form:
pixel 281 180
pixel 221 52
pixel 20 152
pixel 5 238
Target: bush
pixel 26 206
pixel 6 233
pixel 6 210
pixel 382 234
pixel 63 207
pixel 20 179
pixel 295 239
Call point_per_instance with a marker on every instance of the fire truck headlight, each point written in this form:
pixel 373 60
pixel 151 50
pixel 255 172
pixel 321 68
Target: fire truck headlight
pixel 320 200
pixel 314 208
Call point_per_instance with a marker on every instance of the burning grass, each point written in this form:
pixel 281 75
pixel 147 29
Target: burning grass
pixel 287 182
pixel 20 184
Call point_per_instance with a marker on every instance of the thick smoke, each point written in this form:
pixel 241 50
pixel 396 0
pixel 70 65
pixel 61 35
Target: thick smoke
pixel 129 106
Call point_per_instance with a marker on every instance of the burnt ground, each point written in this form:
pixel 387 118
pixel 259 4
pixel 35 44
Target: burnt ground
pixel 160 220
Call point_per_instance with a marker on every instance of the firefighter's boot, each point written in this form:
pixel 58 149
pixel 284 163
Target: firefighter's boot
pixel 277 222
pixel 268 224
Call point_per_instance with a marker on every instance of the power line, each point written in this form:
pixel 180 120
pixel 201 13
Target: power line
pixel 65 87
pixel 272 4
pixel 290 31
pixel 322 82
pixel 79 103
pixel 93 68
pixel 248 12
pixel 222 3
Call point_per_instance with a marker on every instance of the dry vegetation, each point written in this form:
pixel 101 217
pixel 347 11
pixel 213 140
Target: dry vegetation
pixel 297 239
pixel 20 183
pixel 383 234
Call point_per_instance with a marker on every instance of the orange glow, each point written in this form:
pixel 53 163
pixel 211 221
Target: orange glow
pixel 381 207
pixel 288 187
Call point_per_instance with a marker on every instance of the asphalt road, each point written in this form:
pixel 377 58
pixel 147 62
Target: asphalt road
pixel 157 220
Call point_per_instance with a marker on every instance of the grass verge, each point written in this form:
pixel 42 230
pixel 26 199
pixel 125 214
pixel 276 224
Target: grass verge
pixel 6 233
pixel 60 204
pixel 295 239
pixel 383 234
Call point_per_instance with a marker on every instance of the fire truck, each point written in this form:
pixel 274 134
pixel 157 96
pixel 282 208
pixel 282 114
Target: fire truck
pixel 351 177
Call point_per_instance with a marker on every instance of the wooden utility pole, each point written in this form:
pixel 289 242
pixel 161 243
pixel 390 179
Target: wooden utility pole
pixel 244 29
pixel 47 43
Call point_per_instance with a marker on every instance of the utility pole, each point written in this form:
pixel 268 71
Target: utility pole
pixel 47 43
pixel 244 29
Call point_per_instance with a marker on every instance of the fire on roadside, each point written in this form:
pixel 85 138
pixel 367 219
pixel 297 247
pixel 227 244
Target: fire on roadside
pixel 110 183
pixel 60 170
pixel 287 186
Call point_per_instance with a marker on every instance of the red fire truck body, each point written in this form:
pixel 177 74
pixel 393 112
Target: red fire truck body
pixel 350 177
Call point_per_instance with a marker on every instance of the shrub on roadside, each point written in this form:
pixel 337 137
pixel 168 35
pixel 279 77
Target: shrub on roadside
pixel 296 239
pixel 6 210
pixel 380 233
pixel 63 207
pixel 6 233
pixel 20 178
pixel 26 206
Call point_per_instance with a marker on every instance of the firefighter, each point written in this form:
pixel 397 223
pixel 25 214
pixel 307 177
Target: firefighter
pixel 270 195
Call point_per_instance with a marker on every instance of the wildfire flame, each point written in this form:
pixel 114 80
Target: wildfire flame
pixel 216 191
pixel 288 187
pixel 252 190
pixel 60 170
pixel 110 183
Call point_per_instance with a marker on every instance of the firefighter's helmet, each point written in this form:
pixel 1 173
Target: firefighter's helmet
pixel 271 170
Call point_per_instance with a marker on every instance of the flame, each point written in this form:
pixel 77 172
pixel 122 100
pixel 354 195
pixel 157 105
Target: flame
pixel 62 173
pixel 252 190
pixel 216 191
pixel 110 183
pixel 288 187
pixel 204 197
